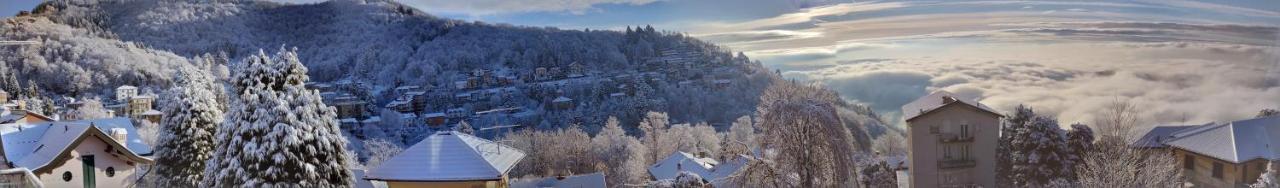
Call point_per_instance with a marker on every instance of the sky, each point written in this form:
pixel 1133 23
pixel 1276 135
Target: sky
pixel 1180 61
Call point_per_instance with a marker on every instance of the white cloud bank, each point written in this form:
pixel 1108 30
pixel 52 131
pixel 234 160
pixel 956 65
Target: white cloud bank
pixel 1185 62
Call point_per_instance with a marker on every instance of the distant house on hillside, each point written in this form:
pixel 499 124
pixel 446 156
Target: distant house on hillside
pixel 100 152
pixel 1232 154
pixel 125 92
pixel 449 159
pixel 952 141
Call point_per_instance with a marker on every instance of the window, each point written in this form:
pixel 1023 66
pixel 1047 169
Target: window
pixel 1217 170
pixel 934 129
pixel 1189 162
pixel 66 176
pixel 964 130
pixel 111 172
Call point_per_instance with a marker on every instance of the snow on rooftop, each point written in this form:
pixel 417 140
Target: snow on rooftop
pixel 935 100
pixel 574 181
pixel 449 156
pixel 124 87
pixel 562 99
pixel 36 145
pixel 1235 142
pixel 153 112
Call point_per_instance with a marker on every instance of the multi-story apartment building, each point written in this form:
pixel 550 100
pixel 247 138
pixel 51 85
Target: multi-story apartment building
pixel 952 141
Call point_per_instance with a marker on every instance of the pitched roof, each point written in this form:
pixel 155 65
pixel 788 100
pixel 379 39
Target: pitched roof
pixel 126 87
pixel 935 100
pixel 1158 135
pixel 449 156
pixel 35 146
pixel 711 170
pixel 591 180
pixel 1235 141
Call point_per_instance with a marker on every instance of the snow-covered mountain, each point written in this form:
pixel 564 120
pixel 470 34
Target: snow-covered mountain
pixel 90 46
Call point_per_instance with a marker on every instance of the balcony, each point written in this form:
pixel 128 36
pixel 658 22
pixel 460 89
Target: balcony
pixel 954 138
pixel 956 163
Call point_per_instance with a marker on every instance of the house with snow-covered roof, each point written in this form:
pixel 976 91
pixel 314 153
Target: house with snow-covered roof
pixel 449 159
pixel 1231 154
pixel 711 170
pixel 951 140
pixel 100 152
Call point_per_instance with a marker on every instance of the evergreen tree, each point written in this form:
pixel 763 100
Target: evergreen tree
pixel 1079 142
pixel 32 90
pixel 191 118
pixel 277 133
pixel 1004 154
pixel 1037 150
pixel 1268 113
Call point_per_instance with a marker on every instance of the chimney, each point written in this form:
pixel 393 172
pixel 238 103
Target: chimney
pixel 120 135
pixel 948 99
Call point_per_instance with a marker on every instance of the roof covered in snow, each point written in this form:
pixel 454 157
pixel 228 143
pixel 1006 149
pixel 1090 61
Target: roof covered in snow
pixel 591 180
pixel 709 169
pixel 1158 135
pixel 936 100
pixel 152 112
pixel 124 87
pixel 449 156
pixel 562 99
pixel 1235 141
pixel 36 145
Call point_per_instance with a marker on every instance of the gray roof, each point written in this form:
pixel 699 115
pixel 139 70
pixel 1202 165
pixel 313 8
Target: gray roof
pixel 449 156
pixel 591 180
pixel 935 100
pixel 1236 141
pixel 1158 135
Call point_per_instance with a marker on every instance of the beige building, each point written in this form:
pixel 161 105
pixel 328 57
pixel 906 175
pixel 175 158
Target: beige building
pixel 91 153
pixel 952 141
pixel 449 159
pixel 1232 154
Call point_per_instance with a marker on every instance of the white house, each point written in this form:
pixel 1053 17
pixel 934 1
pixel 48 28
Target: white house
pixel 125 92
pixel 1231 154
pixel 101 152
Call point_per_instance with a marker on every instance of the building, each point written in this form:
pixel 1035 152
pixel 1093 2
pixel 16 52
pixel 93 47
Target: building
pixel 591 180
pixel 4 97
pixel 102 152
pixel 23 117
pixel 1232 154
pixel 125 92
pixel 562 103
pixel 350 107
pixel 435 119
pixel 952 141
pixel 449 159
pixel 712 171
pixel 140 104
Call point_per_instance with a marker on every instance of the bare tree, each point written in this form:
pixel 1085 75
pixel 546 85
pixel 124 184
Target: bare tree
pixel 808 138
pixel 1111 163
pixel 91 109
pixel 891 144
pixel 380 150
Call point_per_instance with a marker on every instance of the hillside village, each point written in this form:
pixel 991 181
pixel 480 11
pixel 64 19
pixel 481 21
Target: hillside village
pixel 433 102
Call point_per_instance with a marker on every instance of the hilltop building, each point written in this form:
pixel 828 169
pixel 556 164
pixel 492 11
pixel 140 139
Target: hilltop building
pixel 952 141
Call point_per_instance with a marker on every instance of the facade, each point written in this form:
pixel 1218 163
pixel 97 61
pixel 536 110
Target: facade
pixel 140 104
pixel 1232 154
pixel 952 141
pixel 449 159
pixel 575 181
pixel 126 92
pixel 101 153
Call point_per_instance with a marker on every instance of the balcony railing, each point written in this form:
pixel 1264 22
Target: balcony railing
pixel 956 163
pixel 952 138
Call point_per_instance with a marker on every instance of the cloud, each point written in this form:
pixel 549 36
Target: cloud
pixel 488 7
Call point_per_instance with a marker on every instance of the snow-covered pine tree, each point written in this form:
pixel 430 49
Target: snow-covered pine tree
pixel 1004 153
pixel 1038 150
pixel 1079 142
pixel 278 133
pixel 1268 179
pixel 191 118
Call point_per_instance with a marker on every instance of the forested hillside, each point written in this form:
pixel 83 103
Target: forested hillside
pixel 89 47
